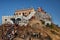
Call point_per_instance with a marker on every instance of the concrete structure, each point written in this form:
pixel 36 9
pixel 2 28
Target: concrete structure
pixel 22 17
pixel 44 16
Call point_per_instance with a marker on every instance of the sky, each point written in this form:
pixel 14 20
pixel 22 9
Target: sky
pixel 52 7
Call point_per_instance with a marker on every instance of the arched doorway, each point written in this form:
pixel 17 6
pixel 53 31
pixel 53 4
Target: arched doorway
pixel 13 19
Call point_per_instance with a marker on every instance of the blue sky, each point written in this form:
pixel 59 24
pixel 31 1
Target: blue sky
pixel 8 7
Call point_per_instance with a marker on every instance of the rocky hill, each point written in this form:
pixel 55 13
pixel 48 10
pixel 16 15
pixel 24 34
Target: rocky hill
pixel 35 30
pixel 34 25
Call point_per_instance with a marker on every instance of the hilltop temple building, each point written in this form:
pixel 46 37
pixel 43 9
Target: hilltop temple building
pixel 22 17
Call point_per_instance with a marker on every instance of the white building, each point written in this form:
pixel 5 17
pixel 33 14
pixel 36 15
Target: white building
pixel 22 17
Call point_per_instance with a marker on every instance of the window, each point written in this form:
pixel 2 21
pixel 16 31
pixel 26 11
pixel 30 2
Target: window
pixel 5 19
pixel 19 13
pixel 23 13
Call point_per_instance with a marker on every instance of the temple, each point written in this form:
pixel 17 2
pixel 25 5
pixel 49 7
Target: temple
pixel 22 17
